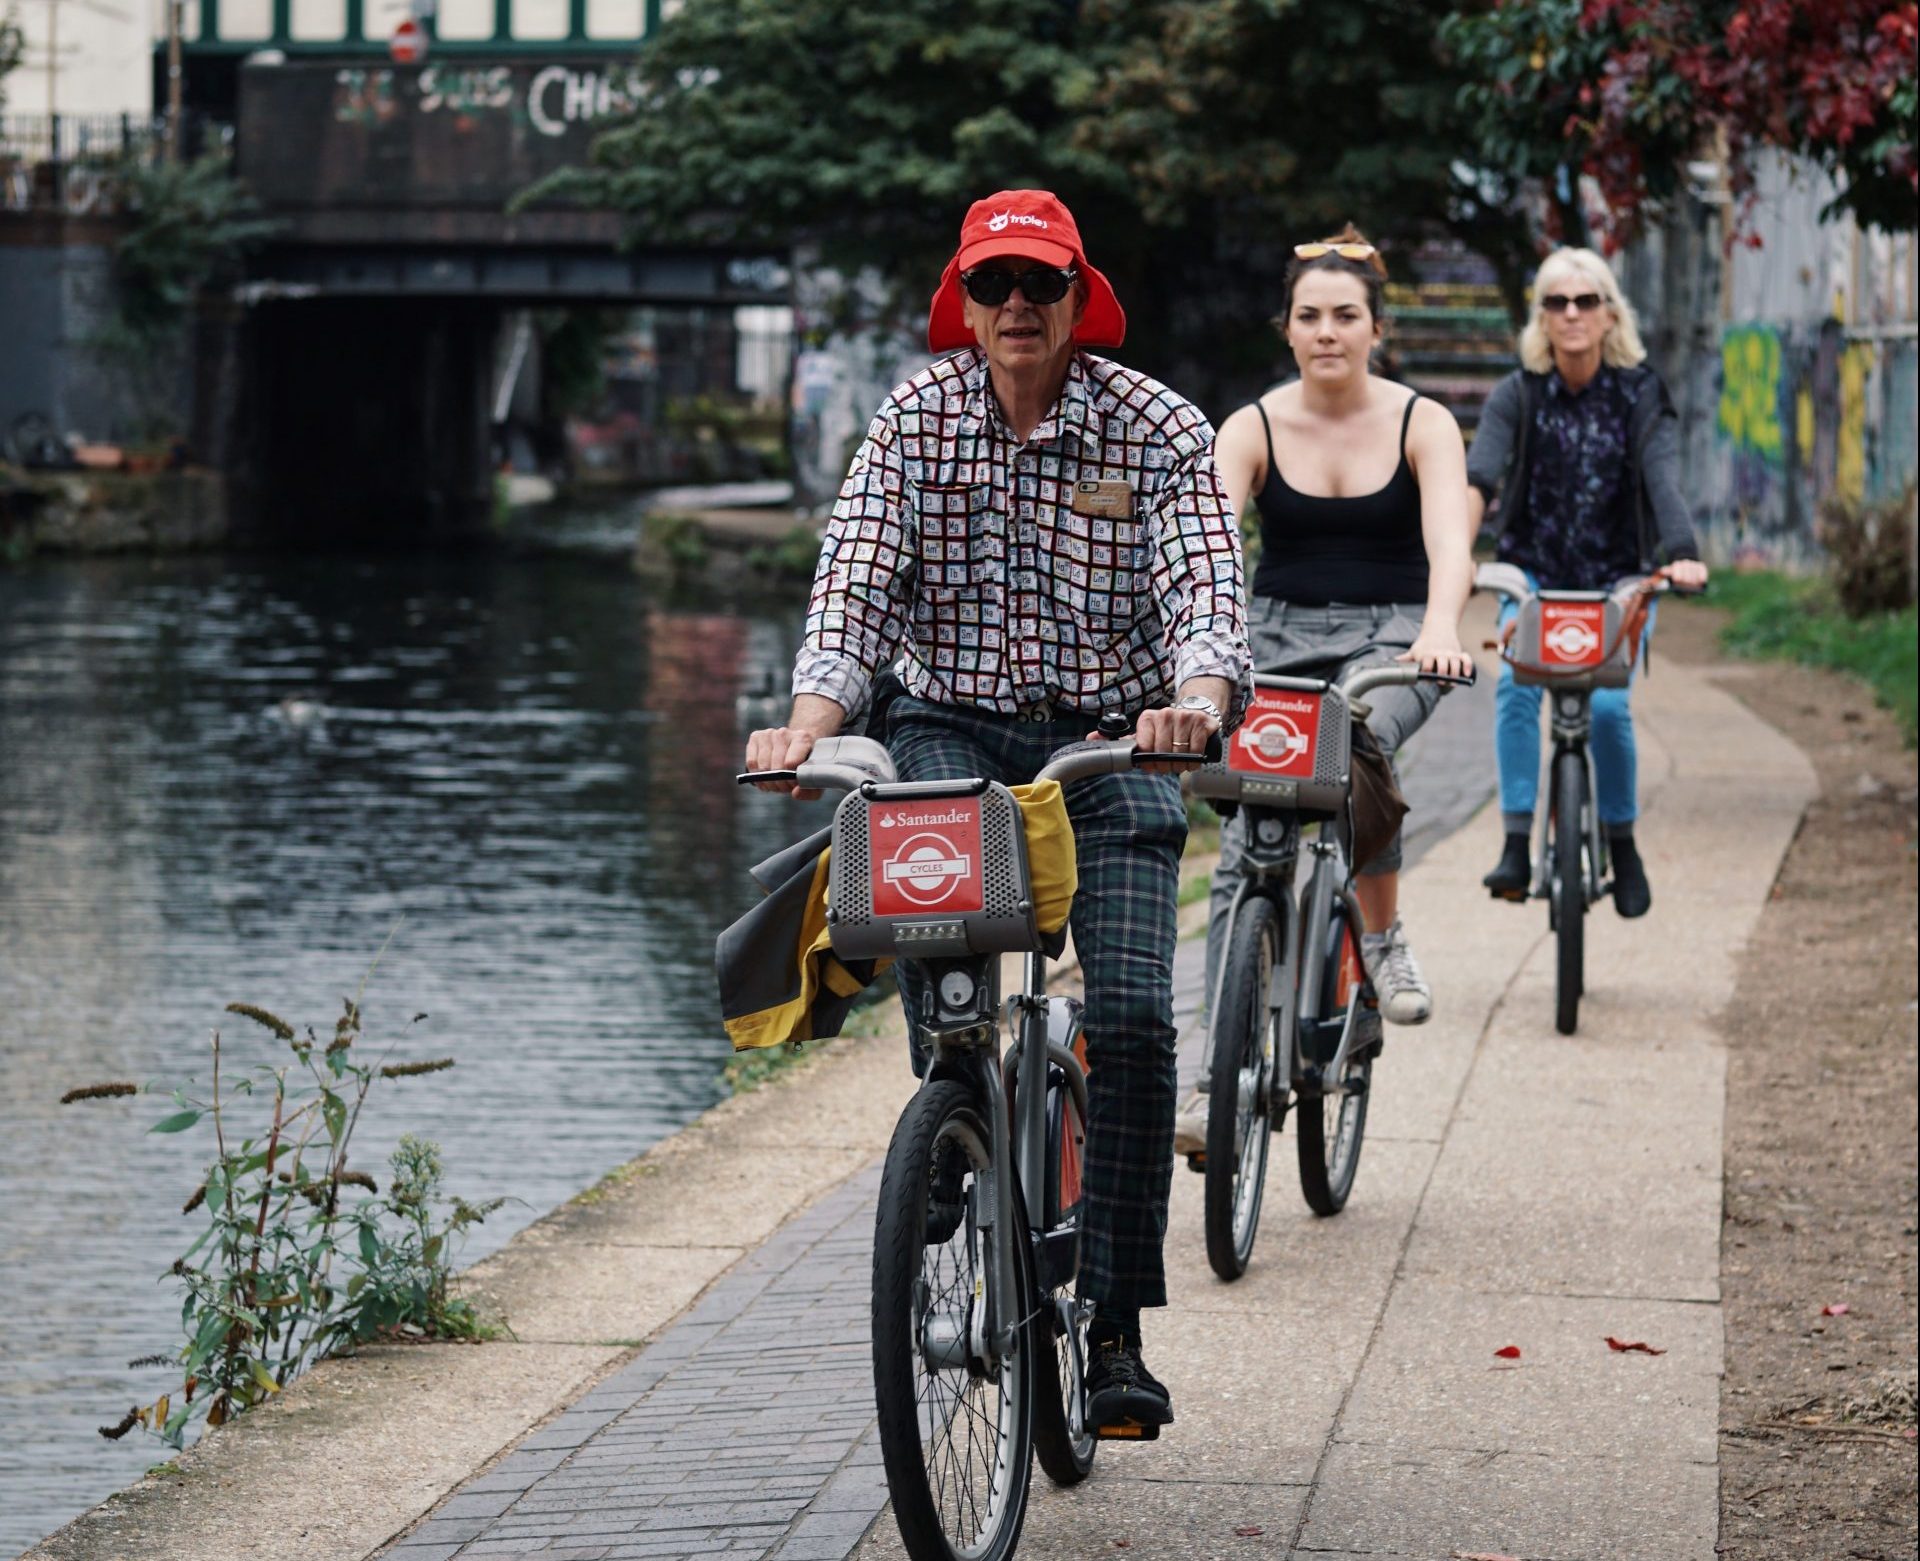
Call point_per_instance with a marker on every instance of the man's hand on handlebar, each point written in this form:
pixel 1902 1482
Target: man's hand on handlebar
pixel 1172 731
pixel 787 747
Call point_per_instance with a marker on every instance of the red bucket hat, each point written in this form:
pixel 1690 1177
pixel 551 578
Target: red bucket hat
pixel 1023 222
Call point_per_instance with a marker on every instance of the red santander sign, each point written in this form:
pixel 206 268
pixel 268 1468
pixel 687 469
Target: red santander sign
pixel 408 45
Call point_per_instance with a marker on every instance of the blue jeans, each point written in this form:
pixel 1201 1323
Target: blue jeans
pixel 1516 741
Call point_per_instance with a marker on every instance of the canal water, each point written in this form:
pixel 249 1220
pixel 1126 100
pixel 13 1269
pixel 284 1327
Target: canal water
pixel 233 778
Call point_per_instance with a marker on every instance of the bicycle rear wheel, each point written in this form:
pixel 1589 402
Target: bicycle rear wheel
pixel 1330 1127
pixel 1568 856
pixel 1241 1090
pixel 956 1423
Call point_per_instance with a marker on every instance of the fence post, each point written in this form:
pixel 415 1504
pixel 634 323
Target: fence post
pixel 57 183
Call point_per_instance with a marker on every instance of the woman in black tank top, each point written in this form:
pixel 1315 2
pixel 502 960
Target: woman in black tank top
pixel 1365 550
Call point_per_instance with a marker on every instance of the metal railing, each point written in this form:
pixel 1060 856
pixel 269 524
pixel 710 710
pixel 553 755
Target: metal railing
pixel 69 162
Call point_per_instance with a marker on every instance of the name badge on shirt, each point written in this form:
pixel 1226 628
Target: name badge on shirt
pixel 1110 498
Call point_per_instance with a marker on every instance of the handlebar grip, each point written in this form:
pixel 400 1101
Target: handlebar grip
pixel 1209 754
pixel 1450 680
pixel 755 777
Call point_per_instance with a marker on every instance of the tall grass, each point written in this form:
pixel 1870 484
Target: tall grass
pixel 1776 617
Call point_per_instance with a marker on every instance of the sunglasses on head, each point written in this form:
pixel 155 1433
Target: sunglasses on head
pixel 1344 251
pixel 1586 303
pixel 1041 285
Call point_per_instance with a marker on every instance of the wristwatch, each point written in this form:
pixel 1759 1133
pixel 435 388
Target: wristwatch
pixel 1202 703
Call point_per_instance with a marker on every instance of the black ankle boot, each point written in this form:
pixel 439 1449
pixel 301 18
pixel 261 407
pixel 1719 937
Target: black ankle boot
pixel 1632 894
pixel 1511 879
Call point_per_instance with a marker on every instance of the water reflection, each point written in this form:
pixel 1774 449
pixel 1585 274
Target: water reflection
pixel 231 778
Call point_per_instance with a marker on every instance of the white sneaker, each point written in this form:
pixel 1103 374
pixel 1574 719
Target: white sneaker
pixel 1405 997
pixel 1190 1123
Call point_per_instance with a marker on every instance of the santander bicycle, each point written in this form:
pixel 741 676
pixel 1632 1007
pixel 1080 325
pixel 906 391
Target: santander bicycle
pixel 1571 643
pixel 979 1343
pixel 1293 1020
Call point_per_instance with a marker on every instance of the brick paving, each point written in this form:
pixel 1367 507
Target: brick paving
pixel 747 1428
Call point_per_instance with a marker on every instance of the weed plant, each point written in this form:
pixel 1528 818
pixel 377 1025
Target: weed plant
pixel 302 1254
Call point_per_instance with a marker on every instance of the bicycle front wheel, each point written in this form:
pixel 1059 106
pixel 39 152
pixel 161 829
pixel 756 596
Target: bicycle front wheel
pixel 955 1411
pixel 1241 1094
pixel 1568 856
pixel 1330 1127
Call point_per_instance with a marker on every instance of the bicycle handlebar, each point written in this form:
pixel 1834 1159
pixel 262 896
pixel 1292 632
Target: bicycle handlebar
pixel 848 763
pixel 1510 581
pixel 1397 674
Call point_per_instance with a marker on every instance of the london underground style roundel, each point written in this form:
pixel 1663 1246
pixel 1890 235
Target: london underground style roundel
pixel 925 857
pixel 1278 735
pixel 1573 634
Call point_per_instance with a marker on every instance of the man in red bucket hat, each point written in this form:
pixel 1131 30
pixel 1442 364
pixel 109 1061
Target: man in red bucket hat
pixel 1040 538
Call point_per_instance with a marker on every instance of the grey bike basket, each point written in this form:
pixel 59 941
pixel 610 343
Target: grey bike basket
pixel 1529 654
pixel 1323 793
pixel 1004 924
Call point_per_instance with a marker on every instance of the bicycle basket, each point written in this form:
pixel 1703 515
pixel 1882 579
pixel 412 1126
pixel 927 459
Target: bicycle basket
pixel 1573 639
pixel 924 869
pixel 1292 750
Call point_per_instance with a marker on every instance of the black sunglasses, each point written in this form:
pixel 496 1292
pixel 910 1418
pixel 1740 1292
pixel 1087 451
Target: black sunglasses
pixel 1041 285
pixel 1586 303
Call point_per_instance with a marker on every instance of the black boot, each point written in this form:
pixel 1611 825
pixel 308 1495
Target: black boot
pixel 1124 1399
pixel 1632 894
pixel 1512 878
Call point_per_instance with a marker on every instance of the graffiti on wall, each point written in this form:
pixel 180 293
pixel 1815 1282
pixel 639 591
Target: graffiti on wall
pixel 1750 381
pixel 1805 414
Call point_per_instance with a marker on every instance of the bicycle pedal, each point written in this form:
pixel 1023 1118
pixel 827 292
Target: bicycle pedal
pixel 1197 1162
pixel 1127 1431
pixel 1511 896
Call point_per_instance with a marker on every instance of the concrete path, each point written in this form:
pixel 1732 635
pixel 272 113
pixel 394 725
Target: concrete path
pixel 1344 1398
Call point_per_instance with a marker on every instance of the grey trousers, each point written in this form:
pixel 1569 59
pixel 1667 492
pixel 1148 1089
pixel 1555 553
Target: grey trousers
pixel 1324 642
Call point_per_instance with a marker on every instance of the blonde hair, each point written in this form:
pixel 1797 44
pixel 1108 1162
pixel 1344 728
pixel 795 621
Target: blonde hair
pixel 1621 347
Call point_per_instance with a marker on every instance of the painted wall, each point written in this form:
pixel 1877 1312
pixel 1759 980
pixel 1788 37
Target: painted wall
pixel 1792 361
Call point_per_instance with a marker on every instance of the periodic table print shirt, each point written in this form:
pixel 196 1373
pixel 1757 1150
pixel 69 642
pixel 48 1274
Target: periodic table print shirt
pixel 970 552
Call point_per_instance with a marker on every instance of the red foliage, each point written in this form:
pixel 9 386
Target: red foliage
pixel 1808 76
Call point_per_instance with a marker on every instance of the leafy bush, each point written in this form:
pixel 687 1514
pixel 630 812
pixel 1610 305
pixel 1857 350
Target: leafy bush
pixel 302 1254
pixel 1870 546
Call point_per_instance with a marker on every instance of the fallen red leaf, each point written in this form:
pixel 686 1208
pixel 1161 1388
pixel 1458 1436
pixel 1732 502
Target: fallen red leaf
pixel 1123 1544
pixel 1621 1346
pixel 1508 1352
pixel 1482 1555
pixel 1249 1530
pixel 1835 1309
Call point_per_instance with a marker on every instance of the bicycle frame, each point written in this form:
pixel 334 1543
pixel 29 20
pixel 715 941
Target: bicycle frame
pixel 1297 980
pixel 1571 724
pixel 967 1045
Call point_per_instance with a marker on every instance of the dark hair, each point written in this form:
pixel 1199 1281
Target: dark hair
pixel 1372 272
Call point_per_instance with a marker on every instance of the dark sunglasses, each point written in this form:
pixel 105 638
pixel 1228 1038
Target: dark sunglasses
pixel 1041 285
pixel 1586 303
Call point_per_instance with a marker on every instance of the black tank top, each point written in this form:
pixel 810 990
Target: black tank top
pixel 1366 551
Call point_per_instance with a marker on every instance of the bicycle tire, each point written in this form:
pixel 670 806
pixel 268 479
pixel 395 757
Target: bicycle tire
pixel 1066 1458
pixel 946 1512
pixel 1568 856
pixel 1329 1160
pixel 1241 1101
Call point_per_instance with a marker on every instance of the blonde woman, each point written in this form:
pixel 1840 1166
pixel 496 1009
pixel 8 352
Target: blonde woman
pixel 1583 442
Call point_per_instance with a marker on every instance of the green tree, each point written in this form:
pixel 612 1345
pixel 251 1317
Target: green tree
pixel 1625 90
pixel 13 44
pixel 188 224
pixel 1194 139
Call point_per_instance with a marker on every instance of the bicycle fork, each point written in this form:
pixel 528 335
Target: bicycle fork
pixel 1572 725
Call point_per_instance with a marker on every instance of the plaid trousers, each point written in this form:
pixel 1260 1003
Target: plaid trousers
pixel 1128 832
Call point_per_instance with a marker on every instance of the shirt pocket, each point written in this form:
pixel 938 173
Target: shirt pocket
pixel 1099 571
pixel 962 539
